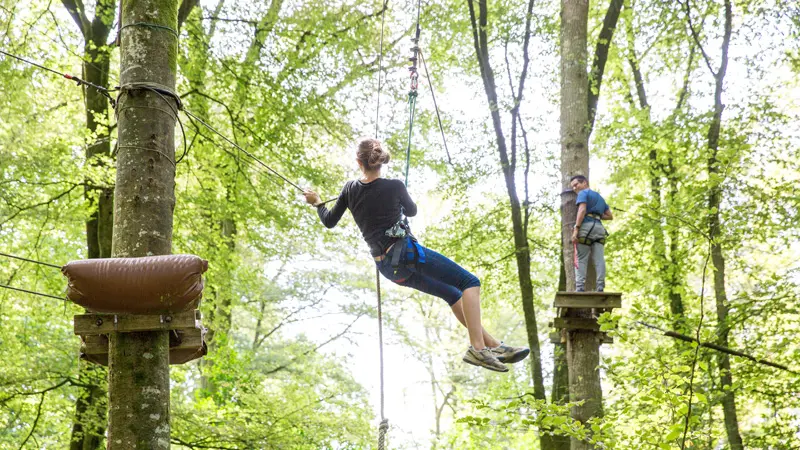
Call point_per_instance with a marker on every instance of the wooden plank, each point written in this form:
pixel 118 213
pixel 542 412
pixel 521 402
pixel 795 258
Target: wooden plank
pixel 93 324
pixel 97 344
pixel 576 323
pixel 600 300
pixel 555 338
pixel 187 347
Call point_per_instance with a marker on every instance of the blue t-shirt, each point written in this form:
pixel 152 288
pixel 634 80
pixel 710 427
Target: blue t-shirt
pixel 595 204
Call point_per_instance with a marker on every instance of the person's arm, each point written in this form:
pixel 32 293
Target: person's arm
pixel 607 215
pixel 409 207
pixel 578 221
pixel 329 217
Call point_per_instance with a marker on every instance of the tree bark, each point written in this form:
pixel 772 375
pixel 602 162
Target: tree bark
pixel 139 416
pixel 583 355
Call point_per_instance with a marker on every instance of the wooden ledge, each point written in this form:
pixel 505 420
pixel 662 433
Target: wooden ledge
pixel 599 300
pixel 94 324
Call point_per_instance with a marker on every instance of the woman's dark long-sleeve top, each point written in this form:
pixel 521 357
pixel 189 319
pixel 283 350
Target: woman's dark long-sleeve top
pixel 375 207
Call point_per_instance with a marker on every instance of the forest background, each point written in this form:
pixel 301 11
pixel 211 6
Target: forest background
pixel 290 305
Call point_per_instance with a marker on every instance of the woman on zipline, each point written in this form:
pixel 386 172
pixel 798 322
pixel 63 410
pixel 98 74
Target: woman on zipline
pixel 378 205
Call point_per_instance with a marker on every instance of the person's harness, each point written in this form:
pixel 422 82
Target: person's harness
pixel 585 240
pixel 415 255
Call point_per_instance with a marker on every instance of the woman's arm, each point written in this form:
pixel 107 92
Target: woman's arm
pixel 409 207
pixel 329 217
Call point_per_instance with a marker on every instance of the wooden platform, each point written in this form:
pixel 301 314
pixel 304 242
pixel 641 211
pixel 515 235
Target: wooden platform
pixel 599 300
pixel 579 311
pixel 186 340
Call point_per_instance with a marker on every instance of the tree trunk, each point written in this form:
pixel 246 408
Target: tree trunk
pixel 715 235
pixel 479 24
pixel 89 424
pixel 139 416
pixel 583 347
pixel 560 392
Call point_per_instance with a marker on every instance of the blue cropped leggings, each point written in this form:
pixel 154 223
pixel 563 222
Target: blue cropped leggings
pixel 437 276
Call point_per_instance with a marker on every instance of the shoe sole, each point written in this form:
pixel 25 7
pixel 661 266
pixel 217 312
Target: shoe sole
pixel 515 358
pixel 493 369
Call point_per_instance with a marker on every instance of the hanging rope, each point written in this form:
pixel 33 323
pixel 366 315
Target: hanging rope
pixel 383 428
pixel 412 92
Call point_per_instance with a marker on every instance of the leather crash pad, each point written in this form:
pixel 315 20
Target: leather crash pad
pixel 146 285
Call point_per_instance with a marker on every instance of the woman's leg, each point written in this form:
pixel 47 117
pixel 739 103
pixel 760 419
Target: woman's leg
pixel 458 311
pixel 441 277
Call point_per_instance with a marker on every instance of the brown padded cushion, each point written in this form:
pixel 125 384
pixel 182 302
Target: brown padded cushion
pixel 147 285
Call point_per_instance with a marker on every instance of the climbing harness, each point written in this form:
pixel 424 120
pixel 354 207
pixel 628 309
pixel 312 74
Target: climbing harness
pixel 405 242
pixel 585 239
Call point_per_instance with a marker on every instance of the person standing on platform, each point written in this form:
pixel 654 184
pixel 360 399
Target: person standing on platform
pixel 589 234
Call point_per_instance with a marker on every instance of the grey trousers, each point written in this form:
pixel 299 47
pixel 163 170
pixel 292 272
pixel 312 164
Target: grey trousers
pixel 592 230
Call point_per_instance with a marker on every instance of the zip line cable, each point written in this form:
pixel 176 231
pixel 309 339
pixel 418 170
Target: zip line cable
pixel 436 107
pixel 31 292
pixel 100 89
pixel 4 286
pixel 30 260
pixel 105 93
pixel 253 157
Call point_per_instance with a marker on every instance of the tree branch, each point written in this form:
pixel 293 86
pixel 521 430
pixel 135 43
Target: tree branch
pixel 184 11
pixel 78 13
pixel 307 352
pixel 696 37
pixel 601 57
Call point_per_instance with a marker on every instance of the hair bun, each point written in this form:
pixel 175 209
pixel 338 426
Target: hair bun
pixel 371 153
pixel 377 155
